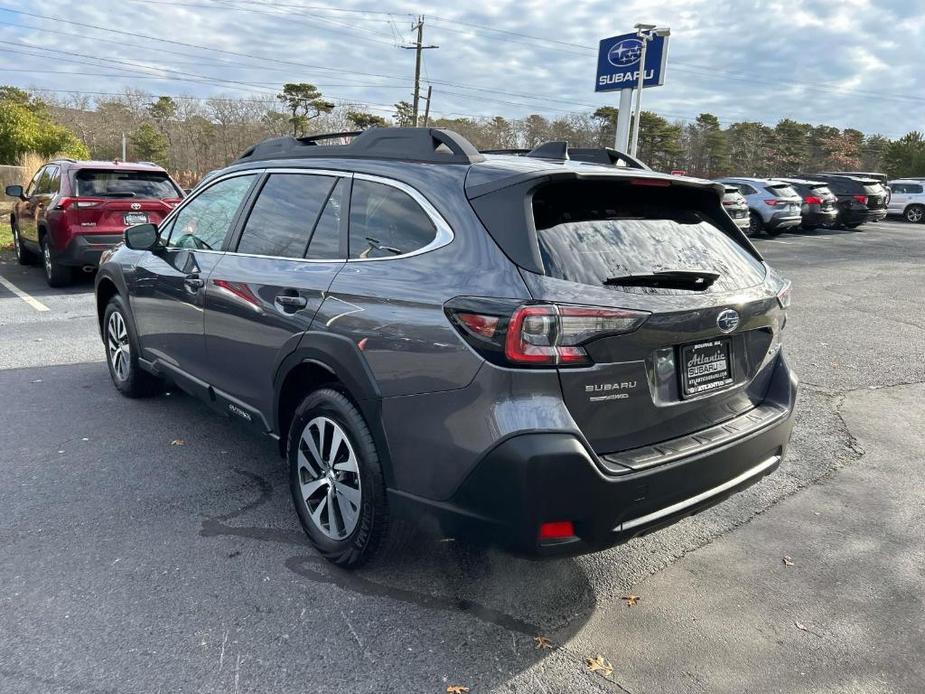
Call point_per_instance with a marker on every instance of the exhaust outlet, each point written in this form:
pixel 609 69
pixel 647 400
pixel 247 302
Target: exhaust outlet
pixel 89 268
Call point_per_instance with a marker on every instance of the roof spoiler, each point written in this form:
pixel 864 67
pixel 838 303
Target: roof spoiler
pixel 558 150
pixel 430 145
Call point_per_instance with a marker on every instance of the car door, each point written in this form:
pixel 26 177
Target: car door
pixel 899 198
pixel 32 208
pixel 265 291
pixel 168 293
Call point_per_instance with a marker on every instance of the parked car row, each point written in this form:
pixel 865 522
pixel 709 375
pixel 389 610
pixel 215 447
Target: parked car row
pixel 810 201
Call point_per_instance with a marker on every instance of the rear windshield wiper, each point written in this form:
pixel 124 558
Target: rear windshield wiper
pixel 667 279
pixel 117 194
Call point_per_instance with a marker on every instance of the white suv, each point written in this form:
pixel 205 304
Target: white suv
pixel 908 199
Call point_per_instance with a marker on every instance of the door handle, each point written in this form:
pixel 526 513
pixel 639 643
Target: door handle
pixel 193 283
pixel 291 303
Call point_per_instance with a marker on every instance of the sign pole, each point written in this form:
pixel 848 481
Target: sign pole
pixel 621 141
pixel 642 77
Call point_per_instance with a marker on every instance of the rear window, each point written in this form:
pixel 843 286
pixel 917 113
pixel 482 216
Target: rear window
pixel 124 184
pixel 874 189
pixel 591 231
pixel 783 191
pixel 821 191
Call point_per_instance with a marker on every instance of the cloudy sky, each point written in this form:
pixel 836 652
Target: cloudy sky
pixel 849 63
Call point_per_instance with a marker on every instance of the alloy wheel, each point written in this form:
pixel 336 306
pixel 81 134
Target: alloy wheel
pixel 118 345
pixel 16 246
pixel 915 214
pixel 329 478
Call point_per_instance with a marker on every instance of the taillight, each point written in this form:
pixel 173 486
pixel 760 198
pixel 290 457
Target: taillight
pixel 812 200
pixel 771 201
pixel 67 203
pixel 727 203
pixel 536 334
pixel 860 198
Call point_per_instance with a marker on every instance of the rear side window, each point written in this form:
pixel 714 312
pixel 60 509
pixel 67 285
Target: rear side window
pixel 124 184
pixel 912 188
pixel 281 221
pixel 385 221
pixel 325 242
pixel 591 231
pixel 745 190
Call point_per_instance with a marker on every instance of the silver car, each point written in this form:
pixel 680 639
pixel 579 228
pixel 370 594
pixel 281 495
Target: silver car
pixel 773 206
pixel 736 207
pixel 908 199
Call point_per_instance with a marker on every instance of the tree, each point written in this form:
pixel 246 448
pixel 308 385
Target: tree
pixel 150 145
pixel 905 156
pixel 789 147
pixel 404 115
pixel 709 150
pixel 363 121
pixel 26 126
pixel 659 141
pixel 607 119
pixel 305 103
pixel 748 148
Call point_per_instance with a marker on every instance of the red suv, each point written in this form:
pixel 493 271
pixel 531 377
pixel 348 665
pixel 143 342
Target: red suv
pixel 72 211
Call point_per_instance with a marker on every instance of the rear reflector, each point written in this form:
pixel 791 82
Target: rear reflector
pixel 772 202
pixel 557 530
pixel 655 182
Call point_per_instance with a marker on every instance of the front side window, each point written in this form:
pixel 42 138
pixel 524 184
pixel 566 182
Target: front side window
pixel 205 220
pixel 746 190
pixel 385 222
pixel 47 182
pixel 33 184
pixel 282 220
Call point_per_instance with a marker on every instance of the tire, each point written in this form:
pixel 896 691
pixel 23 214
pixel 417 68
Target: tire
pixel 121 345
pixel 339 494
pixel 776 231
pixel 755 225
pixel 852 226
pixel 56 275
pixel 23 255
pixel 915 214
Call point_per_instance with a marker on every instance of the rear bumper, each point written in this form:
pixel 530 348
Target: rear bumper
pixel 86 249
pixel 861 216
pixel 536 478
pixel 818 218
pixel 779 221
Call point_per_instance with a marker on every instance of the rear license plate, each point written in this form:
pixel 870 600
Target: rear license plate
pixel 131 218
pixel 705 366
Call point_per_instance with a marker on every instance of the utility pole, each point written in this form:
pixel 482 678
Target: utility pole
pixel 430 89
pixel 418 46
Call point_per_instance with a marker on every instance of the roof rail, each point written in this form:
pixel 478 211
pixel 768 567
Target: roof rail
pixel 559 150
pixel 73 161
pixel 430 145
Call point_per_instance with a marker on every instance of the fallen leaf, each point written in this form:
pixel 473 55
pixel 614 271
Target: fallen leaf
pixel 456 689
pixel 542 642
pixel 599 664
pixel 631 599
pixel 801 627
pixel 178 442
pixel 788 561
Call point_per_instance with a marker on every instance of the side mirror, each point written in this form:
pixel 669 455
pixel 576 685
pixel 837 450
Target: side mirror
pixel 15 192
pixel 141 237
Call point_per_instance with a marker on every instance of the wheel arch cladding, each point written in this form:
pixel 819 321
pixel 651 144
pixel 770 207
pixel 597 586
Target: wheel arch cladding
pixel 326 359
pixel 105 289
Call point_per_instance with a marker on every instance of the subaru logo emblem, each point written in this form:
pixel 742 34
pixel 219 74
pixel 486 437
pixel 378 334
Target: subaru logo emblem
pixel 136 205
pixel 728 320
pixel 625 53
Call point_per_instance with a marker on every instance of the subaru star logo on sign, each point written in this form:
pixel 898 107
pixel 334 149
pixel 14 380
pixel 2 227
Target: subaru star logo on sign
pixel 728 320
pixel 625 53
pixel 618 62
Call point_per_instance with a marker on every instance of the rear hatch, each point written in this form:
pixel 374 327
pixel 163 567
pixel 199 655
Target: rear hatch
pixel 876 195
pixel 826 196
pixel 700 353
pixel 786 200
pixel 735 203
pixel 108 201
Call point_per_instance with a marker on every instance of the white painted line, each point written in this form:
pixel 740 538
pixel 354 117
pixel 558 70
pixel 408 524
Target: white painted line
pixel 789 243
pixel 32 301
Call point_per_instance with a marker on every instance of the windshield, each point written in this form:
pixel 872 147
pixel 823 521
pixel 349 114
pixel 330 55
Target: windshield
pixel 589 233
pixel 134 184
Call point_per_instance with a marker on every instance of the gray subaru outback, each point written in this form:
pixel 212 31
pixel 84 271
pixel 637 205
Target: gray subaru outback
pixel 554 350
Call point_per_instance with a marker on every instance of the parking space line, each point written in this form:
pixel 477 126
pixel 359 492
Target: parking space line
pixel 32 301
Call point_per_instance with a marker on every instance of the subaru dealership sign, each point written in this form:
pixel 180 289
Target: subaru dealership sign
pixel 618 62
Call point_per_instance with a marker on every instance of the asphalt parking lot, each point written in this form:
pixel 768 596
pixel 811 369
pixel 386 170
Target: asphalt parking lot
pixel 151 545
